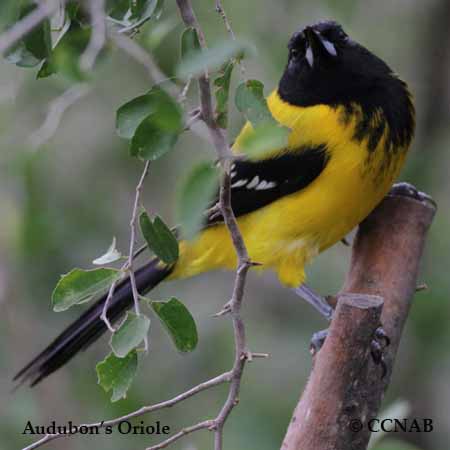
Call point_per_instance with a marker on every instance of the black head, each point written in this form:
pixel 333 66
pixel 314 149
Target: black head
pixel 326 66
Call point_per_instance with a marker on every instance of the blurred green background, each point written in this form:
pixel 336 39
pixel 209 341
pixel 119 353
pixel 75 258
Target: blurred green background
pixel 61 206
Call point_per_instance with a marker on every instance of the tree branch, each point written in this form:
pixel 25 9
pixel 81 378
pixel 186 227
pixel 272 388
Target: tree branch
pixel 133 241
pixel 218 136
pixel 98 34
pixel 21 28
pixel 135 51
pixel 345 388
pixel 222 13
pixel 209 424
pixel 56 110
pixel 219 140
pixel 142 57
pixel 223 378
pixel 128 266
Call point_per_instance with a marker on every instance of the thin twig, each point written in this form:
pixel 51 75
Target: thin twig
pixel 183 94
pixel 104 316
pixel 21 28
pixel 219 140
pixel 207 424
pixel 221 11
pixel 134 27
pixel 235 307
pixel 193 117
pixel 216 133
pixel 98 35
pixel 112 288
pixel 132 242
pixel 141 56
pixel 56 110
pixel 138 53
pixel 220 379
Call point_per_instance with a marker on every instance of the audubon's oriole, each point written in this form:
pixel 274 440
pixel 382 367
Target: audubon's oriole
pixel 351 120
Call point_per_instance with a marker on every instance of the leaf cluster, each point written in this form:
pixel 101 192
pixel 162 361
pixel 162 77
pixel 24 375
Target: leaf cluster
pixel 152 124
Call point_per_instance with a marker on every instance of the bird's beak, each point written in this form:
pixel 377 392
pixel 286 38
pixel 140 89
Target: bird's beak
pixel 317 44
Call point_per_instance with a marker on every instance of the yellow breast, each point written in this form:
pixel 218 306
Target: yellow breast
pixel 286 234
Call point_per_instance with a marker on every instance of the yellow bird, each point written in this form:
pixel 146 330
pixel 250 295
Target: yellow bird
pixel 352 122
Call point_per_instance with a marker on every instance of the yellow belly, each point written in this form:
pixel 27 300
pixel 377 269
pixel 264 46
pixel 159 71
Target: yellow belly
pixel 288 233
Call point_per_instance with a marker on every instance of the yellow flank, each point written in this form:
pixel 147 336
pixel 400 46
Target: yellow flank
pixel 286 234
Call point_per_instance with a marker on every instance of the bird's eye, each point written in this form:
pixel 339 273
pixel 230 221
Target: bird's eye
pixel 294 53
pixel 342 36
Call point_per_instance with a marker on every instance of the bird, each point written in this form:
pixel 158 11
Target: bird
pixel 351 121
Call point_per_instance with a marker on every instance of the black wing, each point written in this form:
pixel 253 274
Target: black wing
pixel 255 184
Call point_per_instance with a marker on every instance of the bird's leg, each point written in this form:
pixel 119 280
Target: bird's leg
pixel 380 339
pixel 315 300
pixel 320 304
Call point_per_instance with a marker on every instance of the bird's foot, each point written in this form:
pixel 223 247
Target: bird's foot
pixel 377 346
pixel 379 343
pixel 317 341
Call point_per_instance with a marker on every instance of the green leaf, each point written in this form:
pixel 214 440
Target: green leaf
pixel 66 55
pixel 134 13
pixel 189 42
pixel 150 142
pixel 158 9
pixel 144 9
pixel 79 286
pixel 195 196
pixel 196 62
pixel 264 139
pixel 72 10
pixel 39 40
pixel 118 9
pixel 167 114
pixel 159 238
pixel 179 323
pixel 35 46
pixel 46 70
pixel 222 92
pixel 250 101
pixel 139 7
pixel 130 115
pixel 153 122
pixel 111 255
pixel 130 334
pixel 117 374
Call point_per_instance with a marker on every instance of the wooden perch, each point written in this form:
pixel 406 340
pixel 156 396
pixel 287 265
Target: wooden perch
pixel 346 388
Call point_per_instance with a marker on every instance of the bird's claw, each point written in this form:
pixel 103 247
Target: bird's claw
pixel 380 341
pixel 317 341
pixel 380 334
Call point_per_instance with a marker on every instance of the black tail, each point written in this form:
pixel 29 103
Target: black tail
pixel 89 326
